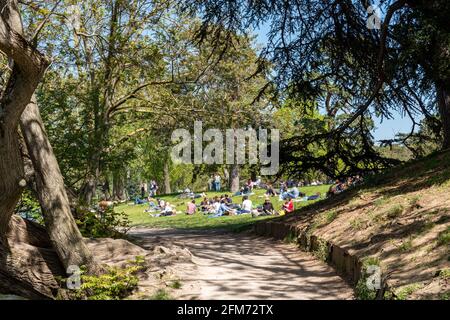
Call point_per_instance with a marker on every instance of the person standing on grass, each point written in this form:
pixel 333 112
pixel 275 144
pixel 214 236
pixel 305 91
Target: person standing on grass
pixel 217 182
pixel 142 191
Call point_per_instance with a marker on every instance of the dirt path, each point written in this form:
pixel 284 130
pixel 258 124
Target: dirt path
pixel 244 266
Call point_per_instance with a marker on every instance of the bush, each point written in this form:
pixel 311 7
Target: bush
pixel 161 294
pixel 330 216
pixel 444 237
pixel 107 224
pixel 395 211
pixel 115 284
pixel 406 291
pixel 321 252
pixel 362 291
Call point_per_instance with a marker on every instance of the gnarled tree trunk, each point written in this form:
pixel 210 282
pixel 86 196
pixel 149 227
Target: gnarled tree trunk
pixel 28 262
pixel 61 226
pixel 28 66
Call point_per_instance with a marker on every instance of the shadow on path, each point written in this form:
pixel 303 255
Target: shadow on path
pixel 244 266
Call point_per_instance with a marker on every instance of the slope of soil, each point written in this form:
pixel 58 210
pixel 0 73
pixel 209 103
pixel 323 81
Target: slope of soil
pixel 399 221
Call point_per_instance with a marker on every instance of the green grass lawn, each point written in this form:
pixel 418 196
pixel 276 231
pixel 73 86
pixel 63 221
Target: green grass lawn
pixel 199 221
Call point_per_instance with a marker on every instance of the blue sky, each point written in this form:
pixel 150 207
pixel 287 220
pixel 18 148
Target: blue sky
pixel 386 129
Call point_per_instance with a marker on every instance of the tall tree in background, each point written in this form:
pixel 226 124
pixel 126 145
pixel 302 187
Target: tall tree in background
pixel 385 70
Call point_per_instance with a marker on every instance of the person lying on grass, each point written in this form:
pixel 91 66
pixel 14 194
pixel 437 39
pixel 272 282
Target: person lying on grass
pixel 294 193
pixel 314 197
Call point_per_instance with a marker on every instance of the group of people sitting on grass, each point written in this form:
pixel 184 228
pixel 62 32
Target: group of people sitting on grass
pixel 223 205
pixel 218 206
pixel 342 185
pixel 160 208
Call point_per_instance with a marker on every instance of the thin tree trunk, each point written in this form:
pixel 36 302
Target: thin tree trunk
pixel 106 189
pixel 444 111
pixel 234 178
pixel 89 188
pixel 119 185
pixel 166 178
pixel 61 226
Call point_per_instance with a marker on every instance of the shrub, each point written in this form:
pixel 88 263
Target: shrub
pixel 444 273
pixel 357 224
pixel 444 237
pixel 414 202
pixel 379 202
pixel 290 238
pixel 395 211
pixel 406 245
pixel 107 224
pixel 362 291
pixel 161 294
pixel 115 284
pixel 321 252
pixel 175 285
pixel 330 216
pixel 406 291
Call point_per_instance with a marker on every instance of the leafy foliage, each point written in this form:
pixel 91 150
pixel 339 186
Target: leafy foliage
pixel 115 284
pixel 105 224
pixel 29 208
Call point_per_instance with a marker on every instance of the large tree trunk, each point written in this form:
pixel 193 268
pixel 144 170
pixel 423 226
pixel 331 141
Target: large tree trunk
pixel 28 263
pixel 28 66
pixel 234 178
pixel 11 174
pixel 166 178
pixel 444 111
pixel 61 226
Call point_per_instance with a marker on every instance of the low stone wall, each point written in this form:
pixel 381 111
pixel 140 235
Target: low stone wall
pixel 347 265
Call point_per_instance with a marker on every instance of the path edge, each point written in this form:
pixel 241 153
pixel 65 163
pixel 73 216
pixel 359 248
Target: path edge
pixel 347 265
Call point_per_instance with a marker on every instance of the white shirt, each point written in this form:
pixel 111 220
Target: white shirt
pixel 247 205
